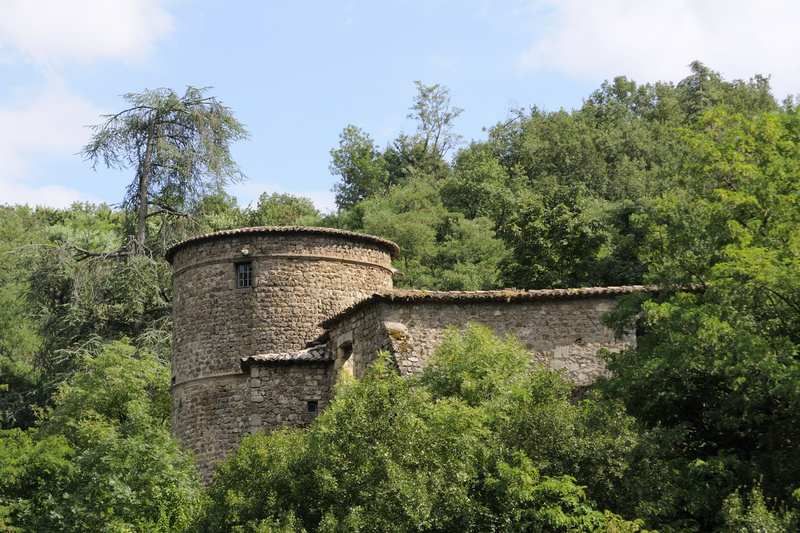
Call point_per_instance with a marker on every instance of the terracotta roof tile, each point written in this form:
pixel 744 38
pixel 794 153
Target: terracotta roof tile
pixel 394 250
pixel 314 354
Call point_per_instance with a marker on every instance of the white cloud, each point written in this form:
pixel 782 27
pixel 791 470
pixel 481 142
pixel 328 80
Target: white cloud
pixel 651 40
pixel 52 31
pixel 46 124
pixel 47 120
pixel 49 195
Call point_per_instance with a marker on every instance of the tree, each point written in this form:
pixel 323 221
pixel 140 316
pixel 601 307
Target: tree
pixel 361 167
pixel 482 187
pixel 80 304
pixel 405 454
pixel 101 459
pixel 440 250
pixel 705 89
pixel 284 210
pixel 716 369
pixel 554 241
pixel 367 172
pixel 179 146
pixel 434 117
pixel 219 211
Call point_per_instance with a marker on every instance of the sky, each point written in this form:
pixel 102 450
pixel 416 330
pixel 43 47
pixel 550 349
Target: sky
pixel 297 72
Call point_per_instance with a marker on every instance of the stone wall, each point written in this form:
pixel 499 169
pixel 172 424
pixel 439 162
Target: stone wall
pixel 205 417
pixel 240 361
pixel 281 394
pixel 300 277
pixel 562 329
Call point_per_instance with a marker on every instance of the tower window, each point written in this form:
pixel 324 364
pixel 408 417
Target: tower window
pixel 244 275
pixel 312 406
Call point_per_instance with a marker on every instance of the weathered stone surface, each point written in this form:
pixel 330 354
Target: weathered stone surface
pixel 301 276
pixel 240 361
pixel 563 330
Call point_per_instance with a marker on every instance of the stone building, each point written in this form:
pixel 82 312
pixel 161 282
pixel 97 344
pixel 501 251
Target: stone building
pixel 266 318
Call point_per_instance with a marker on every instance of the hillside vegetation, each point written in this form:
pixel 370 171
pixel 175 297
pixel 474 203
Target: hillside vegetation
pixel 692 186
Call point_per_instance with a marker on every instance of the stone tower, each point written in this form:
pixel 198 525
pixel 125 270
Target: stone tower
pixel 243 292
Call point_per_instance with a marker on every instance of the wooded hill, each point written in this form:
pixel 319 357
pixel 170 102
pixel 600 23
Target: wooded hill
pixel 692 185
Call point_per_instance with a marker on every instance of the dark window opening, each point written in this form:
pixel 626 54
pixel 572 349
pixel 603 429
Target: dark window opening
pixel 312 406
pixel 244 275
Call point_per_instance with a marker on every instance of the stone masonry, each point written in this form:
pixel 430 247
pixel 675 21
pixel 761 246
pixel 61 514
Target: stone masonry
pixel 297 278
pixel 562 329
pixel 266 318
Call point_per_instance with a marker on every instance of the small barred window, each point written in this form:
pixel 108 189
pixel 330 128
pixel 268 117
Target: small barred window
pixel 244 275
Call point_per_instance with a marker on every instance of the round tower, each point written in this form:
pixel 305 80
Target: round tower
pixel 243 292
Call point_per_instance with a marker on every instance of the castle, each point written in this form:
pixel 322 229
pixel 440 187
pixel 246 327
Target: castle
pixel 266 318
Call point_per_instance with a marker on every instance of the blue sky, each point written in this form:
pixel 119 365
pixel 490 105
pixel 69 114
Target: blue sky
pixel 297 72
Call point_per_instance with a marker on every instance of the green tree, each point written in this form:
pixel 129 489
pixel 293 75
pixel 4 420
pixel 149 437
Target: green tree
pixel 532 410
pixel 716 370
pixel 482 187
pixel 284 210
pixel 179 146
pixel 102 458
pixel 469 256
pixel 388 455
pixel 752 515
pixel 81 303
pixel 20 393
pixel 365 171
pixel 440 250
pixel 361 167
pixel 704 89
pixel 555 242
pixel 434 116
pixel 219 211
pixel 409 215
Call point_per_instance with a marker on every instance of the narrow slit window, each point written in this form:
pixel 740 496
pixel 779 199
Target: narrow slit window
pixel 244 275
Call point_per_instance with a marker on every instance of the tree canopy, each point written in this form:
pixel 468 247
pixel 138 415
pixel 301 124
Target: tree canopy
pixel 179 147
pixel 690 186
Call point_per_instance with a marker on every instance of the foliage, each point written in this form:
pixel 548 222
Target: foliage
pixel 361 167
pixel 23 337
pixel 80 302
pixel 558 188
pixel 407 454
pixel 219 211
pixel 475 367
pixel 434 116
pixel 366 172
pixel 705 90
pixel 481 187
pixel 284 210
pixel 179 146
pixel 688 186
pixel 718 366
pixel 101 459
pixel 439 249
pixel 554 242
pixel 752 515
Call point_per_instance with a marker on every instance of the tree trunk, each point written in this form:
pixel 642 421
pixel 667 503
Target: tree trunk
pixel 144 184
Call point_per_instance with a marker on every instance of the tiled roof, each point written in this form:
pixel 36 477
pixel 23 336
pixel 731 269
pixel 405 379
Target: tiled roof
pixel 394 251
pixel 509 295
pixel 314 354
